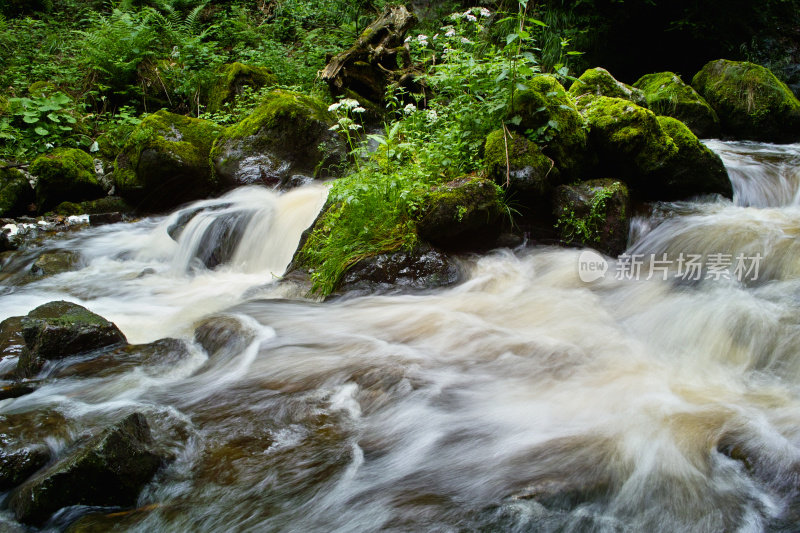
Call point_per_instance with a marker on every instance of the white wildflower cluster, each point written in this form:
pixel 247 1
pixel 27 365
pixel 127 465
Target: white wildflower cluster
pixel 431 115
pixel 472 14
pixel 346 104
pixel 422 39
pixel 409 108
pixel 450 31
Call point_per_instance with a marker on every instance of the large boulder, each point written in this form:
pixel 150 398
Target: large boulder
pixel 599 82
pixel 11 340
pixel 59 329
pixel 108 470
pixel 66 174
pixel 750 101
pixel 16 193
pixel 231 81
pixel 55 262
pixel 695 169
pixel 668 95
pixel 514 162
pixel 464 214
pixel 594 213
pixel 223 335
pixel 17 465
pixel 164 163
pixel 628 139
pixel 287 135
pixel 545 110
pixel 418 269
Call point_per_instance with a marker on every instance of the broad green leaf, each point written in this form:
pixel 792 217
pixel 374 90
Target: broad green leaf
pixel 27 119
pixel 53 117
pixel 41 131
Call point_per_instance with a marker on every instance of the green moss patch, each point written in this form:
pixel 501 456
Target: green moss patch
pixel 232 79
pixel 66 174
pixel 599 82
pixel 668 95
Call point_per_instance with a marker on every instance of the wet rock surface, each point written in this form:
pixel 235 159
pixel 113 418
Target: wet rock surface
pixel 108 470
pixel 59 329
pixel 222 334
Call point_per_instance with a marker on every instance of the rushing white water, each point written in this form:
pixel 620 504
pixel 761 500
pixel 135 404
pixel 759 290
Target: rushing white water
pixel 523 399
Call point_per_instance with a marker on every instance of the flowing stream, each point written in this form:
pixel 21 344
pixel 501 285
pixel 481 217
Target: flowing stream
pixel 523 399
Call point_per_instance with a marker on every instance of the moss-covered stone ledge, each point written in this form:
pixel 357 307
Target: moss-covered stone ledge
pixel 66 174
pixel 231 81
pixel 599 82
pixel 164 163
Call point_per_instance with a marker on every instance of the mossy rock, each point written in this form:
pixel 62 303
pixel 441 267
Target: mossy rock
pixel 695 169
pixel 16 193
pixel 750 101
pixel 231 81
pixel 594 213
pixel 526 171
pixel 42 88
pixel 60 329
pixel 628 139
pixel 164 162
pixel 668 95
pixel 66 174
pixel 546 110
pixel 599 82
pixel 287 135
pixel 464 214
pixel 109 204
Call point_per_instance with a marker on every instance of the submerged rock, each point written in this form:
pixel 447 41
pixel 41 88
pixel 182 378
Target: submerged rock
pixel 594 213
pixel 464 214
pixel 599 82
pixel 164 163
pixel 108 204
pixel 750 101
pixel 59 329
pixel 546 110
pixel 421 268
pixel 16 193
pixel 66 174
pixel 287 135
pixel 151 359
pixel 57 262
pixel 19 464
pixel 231 81
pixel 108 470
pixel 223 334
pixel 668 95
pixel 11 340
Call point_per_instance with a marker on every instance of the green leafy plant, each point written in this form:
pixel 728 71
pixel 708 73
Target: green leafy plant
pixel 39 123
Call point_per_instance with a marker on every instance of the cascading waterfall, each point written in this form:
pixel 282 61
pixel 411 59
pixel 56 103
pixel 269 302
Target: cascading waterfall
pixel 524 399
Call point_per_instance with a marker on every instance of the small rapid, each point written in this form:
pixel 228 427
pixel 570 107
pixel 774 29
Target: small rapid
pixel 523 399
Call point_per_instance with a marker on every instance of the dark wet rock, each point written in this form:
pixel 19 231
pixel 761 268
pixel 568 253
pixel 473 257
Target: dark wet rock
pixel 16 193
pixel 56 262
pixel 750 101
pixel 108 470
pixel 288 134
pixel 594 213
pixel 101 219
pixel 223 334
pixel 153 359
pixel 367 68
pixel 175 230
pixel 165 163
pixel 15 390
pixel 5 244
pixel 464 214
pixel 66 174
pixel 11 340
pixel 60 329
pixel 19 464
pixel 421 268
